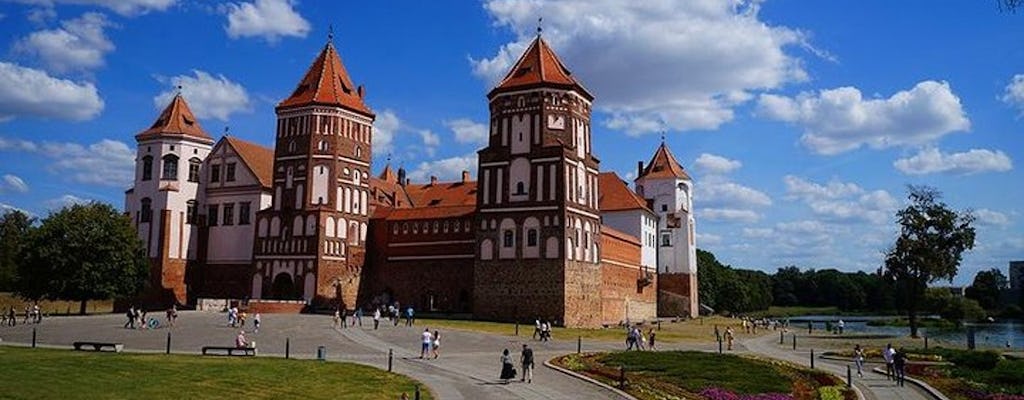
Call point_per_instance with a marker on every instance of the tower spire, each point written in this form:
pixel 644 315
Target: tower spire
pixel 330 34
pixel 540 27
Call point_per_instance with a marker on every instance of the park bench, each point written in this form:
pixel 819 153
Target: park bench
pixel 231 351
pixel 99 346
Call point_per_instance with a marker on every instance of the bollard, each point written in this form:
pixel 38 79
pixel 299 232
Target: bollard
pixel 33 338
pixel 321 353
pixel 417 395
pixel 812 358
pixel 794 341
pixel 719 345
pixel 926 342
pixel 622 377
pixel 849 377
pixel 391 356
pixel 168 343
pixel 287 347
pixel 579 344
pixel 782 337
pixel 517 328
pixel 659 324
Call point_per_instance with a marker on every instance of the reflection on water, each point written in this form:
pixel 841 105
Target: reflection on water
pixel 996 334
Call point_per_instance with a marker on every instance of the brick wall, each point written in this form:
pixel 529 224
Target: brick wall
pixel 414 282
pixel 677 295
pixel 505 290
pixel 582 294
pixel 226 281
pixel 276 306
pixel 623 294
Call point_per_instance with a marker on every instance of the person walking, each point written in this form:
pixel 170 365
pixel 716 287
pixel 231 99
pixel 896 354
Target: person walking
pixel 358 316
pixel 536 328
pixel 428 339
pixel 376 318
pixel 728 338
pixel 256 321
pixel 508 371
pixel 409 316
pixel 899 361
pixel 526 361
pixel 337 317
pixel 889 355
pixel 858 360
pixel 650 340
pixel 436 345
pixel 37 313
pixel 12 319
pixel 130 314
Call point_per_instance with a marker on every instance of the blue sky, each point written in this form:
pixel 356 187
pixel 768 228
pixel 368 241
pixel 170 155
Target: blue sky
pixel 801 122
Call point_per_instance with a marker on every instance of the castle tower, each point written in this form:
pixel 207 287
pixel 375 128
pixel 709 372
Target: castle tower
pixel 538 221
pixel 164 199
pixel 667 186
pixel 310 244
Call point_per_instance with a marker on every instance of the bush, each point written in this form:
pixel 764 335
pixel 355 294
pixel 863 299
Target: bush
pixel 830 393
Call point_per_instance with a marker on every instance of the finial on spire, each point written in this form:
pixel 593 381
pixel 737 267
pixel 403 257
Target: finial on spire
pixel 227 130
pixel 330 33
pixel 179 90
pixel 662 137
pixel 389 158
pixel 540 27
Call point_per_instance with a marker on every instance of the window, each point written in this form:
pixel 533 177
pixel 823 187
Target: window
pixel 666 239
pixel 243 212
pixel 531 238
pixel 170 171
pixel 215 173
pixel 229 214
pixel 322 146
pixel 664 207
pixel 193 170
pixel 506 240
pixel 520 188
pixel 359 152
pixel 190 212
pixel 147 168
pixel 211 215
pixel 146 213
pixel 229 174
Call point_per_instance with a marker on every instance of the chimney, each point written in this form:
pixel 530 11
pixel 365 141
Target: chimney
pixel 401 176
pixel 433 180
pixel 465 176
pixel 639 168
pixel 407 181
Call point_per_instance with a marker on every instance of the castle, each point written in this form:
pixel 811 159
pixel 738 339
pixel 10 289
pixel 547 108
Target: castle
pixel 542 232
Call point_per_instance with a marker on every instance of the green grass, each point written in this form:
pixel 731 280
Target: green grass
pixel 61 374
pixel 54 307
pixel 690 330
pixel 695 370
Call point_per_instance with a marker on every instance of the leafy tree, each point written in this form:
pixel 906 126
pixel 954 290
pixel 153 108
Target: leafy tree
pixel 987 288
pixel 959 309
pixel 81 253
pixel 931 242
pixel 14 228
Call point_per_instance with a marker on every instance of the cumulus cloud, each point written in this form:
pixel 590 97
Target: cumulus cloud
pixel 467 131
pixel 725 193
pixel 384 129
pixel 78 45
pixel 985 216
pixel 707 239
pixel 690 63
pixel 107 162
pixel 64 201
pixel 268 19
pixel 931 160
pixel 447 169
pixel 27 92
pixel 728 215
pixel 1014 93
pixel 430 141
pixel 839 201
pixel 714 164
pixel 208 96
pixel 122 7
pixel 840 120
pixel 13 183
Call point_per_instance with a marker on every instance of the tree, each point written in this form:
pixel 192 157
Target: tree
pixel 81 253
pixel 929 248
pixel 14 228
pixel 987 288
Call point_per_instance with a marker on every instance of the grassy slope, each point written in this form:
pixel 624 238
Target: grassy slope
pixel 61 374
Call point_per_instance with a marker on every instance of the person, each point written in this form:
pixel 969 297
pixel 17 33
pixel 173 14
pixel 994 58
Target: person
pixel 37 313
pixel 130 314
pixel 888 354
pixel 240 341
pixel 630 339
pixel 174 313
pixel 641 342
pixel 337 317
pixel 728 338
pixel 650 340
pixel 396 314
pixel 526 361
pixel 256 320
pixel 358 316
pixel 842 326
pixel 241 318
pixel 536 328
pixel 508 371
pixel 899 361
pixel 436 345
pixel 12 319
pixel 408 316
pixel 142 319
pixel 858 360
pixel 428 339
pixel 545 331
pixel 376 318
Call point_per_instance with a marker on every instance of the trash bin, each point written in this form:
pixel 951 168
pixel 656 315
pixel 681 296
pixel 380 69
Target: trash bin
pixel 321 353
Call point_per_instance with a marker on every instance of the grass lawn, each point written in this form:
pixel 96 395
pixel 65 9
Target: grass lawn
pixel 54 307
pixel 62 374
pixel 696 330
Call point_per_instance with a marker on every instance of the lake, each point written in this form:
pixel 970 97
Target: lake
pixel 996 334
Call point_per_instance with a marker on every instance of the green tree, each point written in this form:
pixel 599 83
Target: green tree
pixel 14 228
pixel 81 253
pixel 929 248
pixel 987 288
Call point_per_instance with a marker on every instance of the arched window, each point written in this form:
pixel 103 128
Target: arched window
pixel 359 152
pixel 531 237
pixel 520 188
pixel 507 239
pixel 193 169
pixel 147 168
pixel 170 167
pixel 322 146
pixel 146 211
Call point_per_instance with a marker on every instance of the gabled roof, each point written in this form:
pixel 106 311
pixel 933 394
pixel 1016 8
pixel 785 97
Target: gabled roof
pixel 388 175
pixel 176 119
pixel 539 66
pixel 442 194
pixel 327 83
pixel 664 165
pixel 616 196
pixel 259 159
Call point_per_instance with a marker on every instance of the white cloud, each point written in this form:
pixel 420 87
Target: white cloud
pixel 107 162
pixel 714 164
pixel 725 193
pixel 467 131
pixel 78 45
pixel 430 141
pixel 27 92
pixel 208 96
pixel 989 217
pixel 728 215
pixel 385 127
pixel 448 169
pixel 689 63
pixel 707 239
pixel 66 200
pixel 1014 94
pixel 840 120
pixel 931 160
pixel 7 207
pixel 123 7
pixel 838 201
pixel 269 19
pixel 760 233
pixel 13 183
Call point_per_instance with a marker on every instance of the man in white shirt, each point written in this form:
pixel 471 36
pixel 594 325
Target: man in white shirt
pixel 889 354
pixel 427 340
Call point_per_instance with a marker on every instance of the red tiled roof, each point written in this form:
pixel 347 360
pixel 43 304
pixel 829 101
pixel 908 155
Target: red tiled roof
pixel 388 175
pixel 388 194
pixel 616 196
pixel 605 230
pixel 327 83
pixel 176 119
pixel 400 214
pixel 664 165
pixel 539 65
pixel 443 194
pixel 259 159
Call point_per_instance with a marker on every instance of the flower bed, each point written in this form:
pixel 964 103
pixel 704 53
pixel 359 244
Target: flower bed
pixel 972 375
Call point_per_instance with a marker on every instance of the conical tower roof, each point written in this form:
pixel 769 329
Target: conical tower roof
pixel 176 119
pixel 664 165
pixel 539 66
pixel 327 83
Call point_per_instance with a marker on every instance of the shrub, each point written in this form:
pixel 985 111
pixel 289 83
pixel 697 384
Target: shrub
pixel 830 393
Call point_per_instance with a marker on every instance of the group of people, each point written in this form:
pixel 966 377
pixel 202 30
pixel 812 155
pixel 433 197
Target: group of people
pixel 430 344
pixel 32 313
pixel 138 316
pixel 727 337
pixel 895 363
pixel 635 338
pixel 541 330
pixel 508 369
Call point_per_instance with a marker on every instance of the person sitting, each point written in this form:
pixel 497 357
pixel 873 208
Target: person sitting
pixel 240 341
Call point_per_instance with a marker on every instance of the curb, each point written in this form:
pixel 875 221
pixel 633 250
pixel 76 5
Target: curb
pixel 924 386
pixel 589 379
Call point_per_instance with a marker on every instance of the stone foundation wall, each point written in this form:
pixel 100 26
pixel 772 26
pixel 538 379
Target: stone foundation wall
pixel 623 297
pixel 582 294
pixel 507 290
pixel 678 295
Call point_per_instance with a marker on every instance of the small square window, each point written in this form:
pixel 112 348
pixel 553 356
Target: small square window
pixel 664 207
pixel 215 173
pixel 229 214
pixel 229 173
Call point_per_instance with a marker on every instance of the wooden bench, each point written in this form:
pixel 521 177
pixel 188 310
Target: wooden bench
pixel 230 351
pixel 99 346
